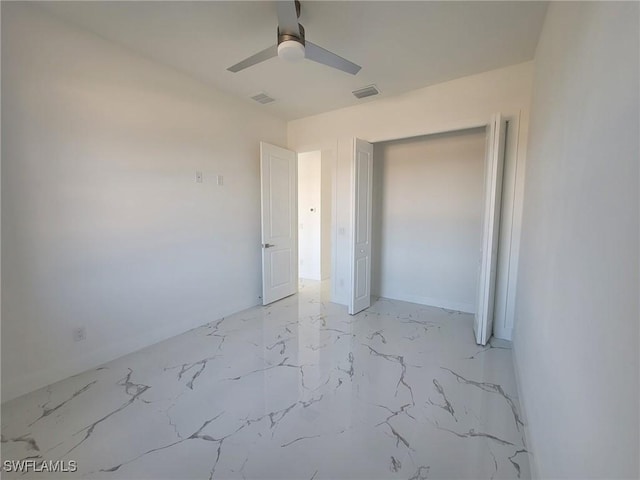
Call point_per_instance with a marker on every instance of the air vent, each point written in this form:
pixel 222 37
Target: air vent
pixel 366 91
pixel 263 98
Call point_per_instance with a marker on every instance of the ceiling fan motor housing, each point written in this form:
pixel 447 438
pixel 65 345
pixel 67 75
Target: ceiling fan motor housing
pixel 291 47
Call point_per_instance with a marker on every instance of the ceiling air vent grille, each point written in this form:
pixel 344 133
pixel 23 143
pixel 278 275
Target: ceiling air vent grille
pixel 263 98
pixel 366 91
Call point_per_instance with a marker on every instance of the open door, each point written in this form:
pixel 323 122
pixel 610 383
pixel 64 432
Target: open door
pixel 362 175
pixel 494 161
pixel 278 176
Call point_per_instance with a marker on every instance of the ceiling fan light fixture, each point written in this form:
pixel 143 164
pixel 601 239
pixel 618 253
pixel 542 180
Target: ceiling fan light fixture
pixel 291 51
pixel 292 46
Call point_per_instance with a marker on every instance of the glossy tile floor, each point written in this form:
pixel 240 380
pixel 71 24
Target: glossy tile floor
pixel 295 390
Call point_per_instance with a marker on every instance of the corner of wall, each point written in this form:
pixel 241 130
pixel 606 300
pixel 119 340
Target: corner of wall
pixel 533 461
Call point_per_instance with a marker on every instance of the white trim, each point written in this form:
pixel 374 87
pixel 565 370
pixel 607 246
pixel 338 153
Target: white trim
pixel 463 125
pixel 431 302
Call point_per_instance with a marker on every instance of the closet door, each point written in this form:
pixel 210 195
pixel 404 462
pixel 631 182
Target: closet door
pixel 494 161
pixel 361 200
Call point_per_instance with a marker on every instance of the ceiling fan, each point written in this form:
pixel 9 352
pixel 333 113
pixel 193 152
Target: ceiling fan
pixel 292 45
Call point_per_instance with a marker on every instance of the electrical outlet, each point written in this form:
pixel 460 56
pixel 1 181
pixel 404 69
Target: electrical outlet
pixel 198 176
pixel 79 334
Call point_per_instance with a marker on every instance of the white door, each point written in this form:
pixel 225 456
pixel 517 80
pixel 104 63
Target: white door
pixel 362 175
pixel 278 174
pixel 494 161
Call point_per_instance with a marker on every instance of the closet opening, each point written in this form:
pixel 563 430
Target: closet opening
pixel 427 218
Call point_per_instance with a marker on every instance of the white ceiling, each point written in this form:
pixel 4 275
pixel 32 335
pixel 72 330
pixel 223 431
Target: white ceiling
pixel 401 46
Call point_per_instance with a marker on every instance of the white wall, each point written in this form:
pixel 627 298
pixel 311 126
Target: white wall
pixel 427 218
pixel 103 224
pixel 309 215
pixel 463 103
pixel 576 340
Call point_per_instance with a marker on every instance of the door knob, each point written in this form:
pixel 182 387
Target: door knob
pixel 267 245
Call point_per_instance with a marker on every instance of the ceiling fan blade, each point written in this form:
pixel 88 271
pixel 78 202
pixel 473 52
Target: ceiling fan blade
pixel 320 55
pixel 265 54
pixel 288 18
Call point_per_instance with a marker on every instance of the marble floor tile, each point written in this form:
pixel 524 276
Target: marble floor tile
pixel 295 390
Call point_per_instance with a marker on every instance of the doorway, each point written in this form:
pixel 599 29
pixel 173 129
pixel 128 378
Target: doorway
pixel 314 218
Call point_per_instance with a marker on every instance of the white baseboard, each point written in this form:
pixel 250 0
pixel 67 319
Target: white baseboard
pixel 430 301
pixel 309 276
pixel 503 333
